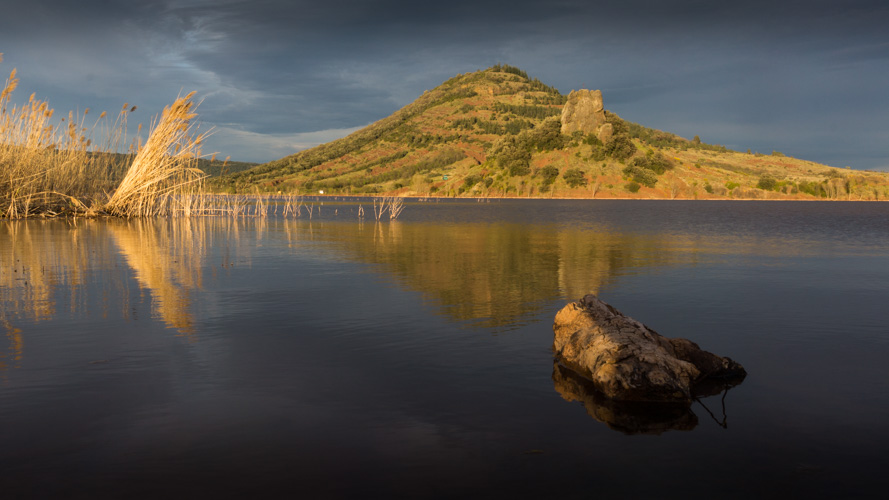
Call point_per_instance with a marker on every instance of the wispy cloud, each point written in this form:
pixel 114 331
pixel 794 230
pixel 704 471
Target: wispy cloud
pixel 253 146
pixel 273 71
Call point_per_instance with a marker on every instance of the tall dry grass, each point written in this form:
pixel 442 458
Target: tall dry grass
pixel 163 178
pixel 76 167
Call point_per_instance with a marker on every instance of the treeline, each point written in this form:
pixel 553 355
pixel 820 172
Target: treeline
pixel 506 68
pixel 215 168
pixel 357 184
pixel 834 186
pixel 535 84
pixel 620 147
pixel 513 153
pixel 511 127
pixel 527 111
pixel 659 138
pixel 453 95
pixel 329 174
pixel 645 169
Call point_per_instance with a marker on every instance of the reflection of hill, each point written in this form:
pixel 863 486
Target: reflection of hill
pixel 496 273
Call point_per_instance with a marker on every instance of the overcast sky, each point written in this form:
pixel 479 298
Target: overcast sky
pixel 807 78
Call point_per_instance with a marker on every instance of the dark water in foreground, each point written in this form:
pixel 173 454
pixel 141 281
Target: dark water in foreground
pixel 330 358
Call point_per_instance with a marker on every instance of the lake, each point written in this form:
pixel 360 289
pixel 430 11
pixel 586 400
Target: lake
pixel 338 357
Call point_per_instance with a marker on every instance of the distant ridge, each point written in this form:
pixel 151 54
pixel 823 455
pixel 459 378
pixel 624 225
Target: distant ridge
pixel 498 133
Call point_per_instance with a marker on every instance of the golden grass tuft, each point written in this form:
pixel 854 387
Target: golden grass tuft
pixel 163 178
pixel 72 167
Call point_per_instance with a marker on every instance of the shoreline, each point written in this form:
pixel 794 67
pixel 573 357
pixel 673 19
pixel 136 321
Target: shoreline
pixel 500 198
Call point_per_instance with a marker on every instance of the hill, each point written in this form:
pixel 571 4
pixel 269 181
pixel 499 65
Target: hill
pixel 215 168
pixel 498 132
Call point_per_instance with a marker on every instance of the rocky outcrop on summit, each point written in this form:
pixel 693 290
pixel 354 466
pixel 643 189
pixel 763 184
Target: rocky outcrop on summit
pixel 627 361
pixel 585 112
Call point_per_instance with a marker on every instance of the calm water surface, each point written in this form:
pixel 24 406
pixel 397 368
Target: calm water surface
pixel 329 357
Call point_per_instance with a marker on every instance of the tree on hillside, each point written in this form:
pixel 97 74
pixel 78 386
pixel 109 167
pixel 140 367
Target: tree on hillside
pixel 641 175
pixel 515 160
pixel 656 162
pixel 547 136
pixel 674 185
pixel 620 147
pixel 549 174
pixel 766 183
pixel 574 178
pixel 618 126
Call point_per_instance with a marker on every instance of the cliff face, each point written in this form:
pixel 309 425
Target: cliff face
pixel 585 112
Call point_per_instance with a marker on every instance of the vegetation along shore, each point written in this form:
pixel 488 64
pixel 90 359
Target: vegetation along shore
pixel 500 133
pixel 491 133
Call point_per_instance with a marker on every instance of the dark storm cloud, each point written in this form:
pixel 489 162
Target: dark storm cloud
pixel 780 75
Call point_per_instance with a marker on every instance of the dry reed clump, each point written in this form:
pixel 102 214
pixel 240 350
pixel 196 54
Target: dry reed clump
pixel 163 178
pixel 51 169
pixel 69 167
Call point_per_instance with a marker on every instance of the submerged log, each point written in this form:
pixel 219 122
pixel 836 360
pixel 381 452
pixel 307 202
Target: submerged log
pixel 627 361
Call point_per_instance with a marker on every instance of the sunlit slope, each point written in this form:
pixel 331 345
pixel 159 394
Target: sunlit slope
pixel 497 132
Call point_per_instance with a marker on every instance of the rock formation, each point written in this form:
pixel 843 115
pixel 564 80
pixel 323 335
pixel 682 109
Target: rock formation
pixel 627 361
pixel 585 112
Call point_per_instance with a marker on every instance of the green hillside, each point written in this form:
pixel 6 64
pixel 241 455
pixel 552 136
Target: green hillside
pixel 497 133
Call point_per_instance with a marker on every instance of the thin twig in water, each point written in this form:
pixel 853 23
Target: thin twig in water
pixel 396 205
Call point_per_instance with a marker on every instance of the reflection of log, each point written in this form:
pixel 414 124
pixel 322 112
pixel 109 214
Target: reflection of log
pixel 628 361
pixel 626 417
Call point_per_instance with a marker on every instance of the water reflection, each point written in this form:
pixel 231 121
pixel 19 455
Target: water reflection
pixel 497 274
pixel 35 265
pixel 35 261
pixel 12 356
pixel 75 267
pixel 629 418
pixel 167 259
pixel 639 418
pixel 494 274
